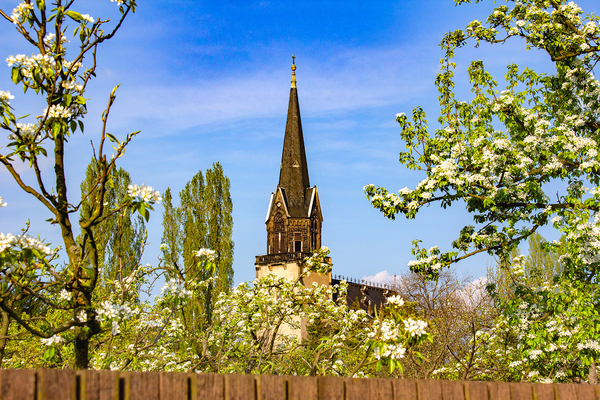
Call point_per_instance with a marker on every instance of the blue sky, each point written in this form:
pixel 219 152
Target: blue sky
pixel 209 81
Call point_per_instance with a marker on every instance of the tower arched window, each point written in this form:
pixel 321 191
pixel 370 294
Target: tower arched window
pixel 278 234
pixel 314 231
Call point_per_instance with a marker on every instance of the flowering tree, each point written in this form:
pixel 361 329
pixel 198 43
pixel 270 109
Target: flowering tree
pixel 550 125
pixel 256 328
pixel 507 177
pixel 28 268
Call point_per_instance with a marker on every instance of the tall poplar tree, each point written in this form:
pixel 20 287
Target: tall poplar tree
pixel 218 208
pixel 122 236
pixel 203 219
pixel 171 231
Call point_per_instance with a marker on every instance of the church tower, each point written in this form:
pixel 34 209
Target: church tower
pixel 294 215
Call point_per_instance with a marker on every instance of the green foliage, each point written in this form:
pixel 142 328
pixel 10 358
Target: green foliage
pixel 202 220
pixel 122 236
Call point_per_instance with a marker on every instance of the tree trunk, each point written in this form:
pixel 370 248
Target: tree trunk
pixel 81 352
pixel 4 333
pixel 593 374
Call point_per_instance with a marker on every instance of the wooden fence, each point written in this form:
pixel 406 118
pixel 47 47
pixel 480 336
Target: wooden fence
pixel 107 385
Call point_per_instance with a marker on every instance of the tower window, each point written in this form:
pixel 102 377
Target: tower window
pixel 297 242
pixel 279 230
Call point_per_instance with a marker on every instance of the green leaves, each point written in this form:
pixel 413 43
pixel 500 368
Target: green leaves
pixel 15 75
pixel 41 5
pixel 75 16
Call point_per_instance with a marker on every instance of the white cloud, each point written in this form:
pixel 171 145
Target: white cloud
pixel 342 84
pixel 474 292
pixel 380 277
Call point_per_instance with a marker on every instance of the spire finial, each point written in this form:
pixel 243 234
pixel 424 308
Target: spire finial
pixel 293 71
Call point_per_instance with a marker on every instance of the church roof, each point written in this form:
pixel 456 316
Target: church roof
pixel 293 176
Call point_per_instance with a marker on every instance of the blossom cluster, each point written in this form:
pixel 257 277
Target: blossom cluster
pixel 144 193
pixel 27 132
pixel 415 327
pixel 72 86
pixel 21 12
pixel 59 111
pixel 23 242
pixel 115 314
pixel 5 96
pixel 44 63
pixel 56 339
pixel 173 287
pixel 318 261
pixel 209 254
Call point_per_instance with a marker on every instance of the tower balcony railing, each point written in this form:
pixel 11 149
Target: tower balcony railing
pixel 281 257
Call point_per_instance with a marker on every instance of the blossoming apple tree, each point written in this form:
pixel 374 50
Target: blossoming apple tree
pixel 504 153
pixel 28 268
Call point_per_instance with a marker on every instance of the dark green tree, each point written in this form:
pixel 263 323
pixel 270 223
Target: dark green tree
pixel 122 236
pixel 172 237
pixel 218 208
pixel 203 219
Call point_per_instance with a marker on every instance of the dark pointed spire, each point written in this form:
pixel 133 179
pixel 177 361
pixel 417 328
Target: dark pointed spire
pixel 293 176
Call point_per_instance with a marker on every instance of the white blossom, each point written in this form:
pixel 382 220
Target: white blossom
pixel 87 18
pixel 208 253
pixel 396 300
pixel 5 96
pixel 65 295
pixel 415 327
pixel 144 193
pixel 52 340
pixel 21 11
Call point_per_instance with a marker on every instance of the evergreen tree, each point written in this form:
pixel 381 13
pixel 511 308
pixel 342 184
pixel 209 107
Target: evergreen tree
pixel 121 237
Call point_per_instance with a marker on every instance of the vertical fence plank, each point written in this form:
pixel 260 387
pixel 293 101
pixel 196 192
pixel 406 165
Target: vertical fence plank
pixel 476 390
pixel 18 384
pixel 357 389
pixel 210 387
pixel 240 387
pixel 455 390
pixel 271 387
pixel 499 391
pixel 99 385
pixel 174 385
pixel 404 389
pixel 565 391
pixel 521 391
pixel 429 390
pixel 380 389
pixel 56 384
pixel 543 391
pixel 330 388
pixel 144 385
pixel 303 388
pixel 586 392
